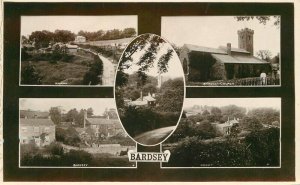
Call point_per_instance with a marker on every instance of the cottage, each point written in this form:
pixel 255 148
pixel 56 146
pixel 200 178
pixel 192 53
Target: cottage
pixel 37 130
pixel 80 39
pixel 103 127
pixel 225 128
pixel 147 101
pixel 202 64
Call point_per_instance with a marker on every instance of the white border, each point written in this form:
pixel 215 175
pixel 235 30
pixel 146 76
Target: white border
pixel 135 167
pixel 208 86
pixel 184 91
pixel 20 60
pixel 161 148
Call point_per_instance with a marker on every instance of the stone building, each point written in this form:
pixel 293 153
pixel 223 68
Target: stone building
pixel 40 131
pixel 103 127
pixel 203 64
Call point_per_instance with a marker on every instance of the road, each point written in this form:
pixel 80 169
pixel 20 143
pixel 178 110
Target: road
pixel 109 71
pixel 154 136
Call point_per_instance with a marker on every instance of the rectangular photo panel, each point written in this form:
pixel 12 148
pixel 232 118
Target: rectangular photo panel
pixel 72 133
pixel 237 50
pixel 227 133
pixel 73 50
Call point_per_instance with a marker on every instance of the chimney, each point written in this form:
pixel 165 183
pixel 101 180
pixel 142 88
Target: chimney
pixel 229 48
pixel 141 95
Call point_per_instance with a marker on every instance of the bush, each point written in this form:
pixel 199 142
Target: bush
pixel 55 149
pixel 191 151
pixel 68 137
pixel 30 76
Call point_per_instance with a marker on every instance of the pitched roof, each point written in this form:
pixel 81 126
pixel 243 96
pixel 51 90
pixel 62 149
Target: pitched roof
pixel 238 59
pixel 101 121
pixel 224 48
pixel 36 122
pixel 147 98
pixel 138 103
pixel 203 49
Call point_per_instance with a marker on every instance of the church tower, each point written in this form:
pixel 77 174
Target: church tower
pixel 246 39
pixel 159 82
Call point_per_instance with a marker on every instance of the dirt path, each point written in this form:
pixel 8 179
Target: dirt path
pixel 154 136
pixel 109 71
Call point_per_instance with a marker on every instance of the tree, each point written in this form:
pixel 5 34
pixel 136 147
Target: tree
pixel 41 38
pixel 71 115
pixel 251 123
pixel 63 36
pixel 128 32
pixel 205 113
pixel 265 115
pixel 55 114
pixel 29 75
pixel 261 19
pixel 149 45
pixel 264 55
pixel 233 111
pixel 90 112
pixel 264 146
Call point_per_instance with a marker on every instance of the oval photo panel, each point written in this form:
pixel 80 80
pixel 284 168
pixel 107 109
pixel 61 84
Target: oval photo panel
pixel 149 89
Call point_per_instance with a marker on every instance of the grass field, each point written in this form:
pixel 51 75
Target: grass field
pixel 53 73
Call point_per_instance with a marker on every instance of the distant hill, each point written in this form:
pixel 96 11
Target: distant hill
pixel 33 114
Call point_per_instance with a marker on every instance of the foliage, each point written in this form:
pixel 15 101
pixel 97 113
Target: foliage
pixel 149 45
pixel 170 99
pixel 55 114
pixel 108 35
pixel 69 136
pixel 24 55
pixel 260 148
pixel 261 19
pixel 41 38
pixel 30 76
pixel 265 115
pixel 63 36
pixel 55 149
pixel 264 147
pixel 92 77
pixel 264 55
pixel 192 151
pixel 250 123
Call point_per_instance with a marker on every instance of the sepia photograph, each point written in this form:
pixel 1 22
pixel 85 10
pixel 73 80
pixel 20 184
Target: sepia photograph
pixel 226 50
pixel 227 132
pixel 149 89
pixel 70 132
pixel 73 50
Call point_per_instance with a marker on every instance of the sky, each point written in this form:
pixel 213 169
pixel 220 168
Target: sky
pixel 215 31
pixel 44 104
pixel 243 102
pixel 76 23
pixel 174 71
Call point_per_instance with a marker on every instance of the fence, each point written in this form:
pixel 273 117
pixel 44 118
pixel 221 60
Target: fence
pixel 252 81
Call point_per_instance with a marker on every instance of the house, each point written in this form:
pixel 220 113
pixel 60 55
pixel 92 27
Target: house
pixel 147 101
pixel 103 127
pixel 41 131
pixel 225 128
pixel 71 48
pixel 203 64
pixel 80 39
